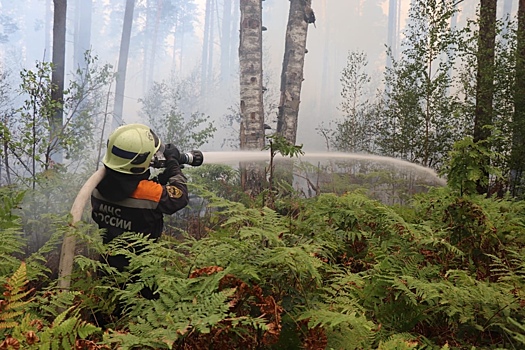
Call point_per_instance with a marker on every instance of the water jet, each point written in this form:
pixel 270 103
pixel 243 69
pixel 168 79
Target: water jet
pixel 234 157
pixel 389 179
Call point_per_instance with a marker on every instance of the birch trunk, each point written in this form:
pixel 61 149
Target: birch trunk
pixel 292 73
pixel 251 105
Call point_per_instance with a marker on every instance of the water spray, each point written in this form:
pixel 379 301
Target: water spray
pixel 234 157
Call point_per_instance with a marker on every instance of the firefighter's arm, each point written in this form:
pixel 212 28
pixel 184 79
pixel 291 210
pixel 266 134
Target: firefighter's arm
pixel 174 191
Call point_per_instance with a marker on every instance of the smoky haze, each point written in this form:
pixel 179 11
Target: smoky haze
pixel 341 27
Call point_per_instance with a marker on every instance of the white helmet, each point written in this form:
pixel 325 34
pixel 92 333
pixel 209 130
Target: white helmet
pixel 131 148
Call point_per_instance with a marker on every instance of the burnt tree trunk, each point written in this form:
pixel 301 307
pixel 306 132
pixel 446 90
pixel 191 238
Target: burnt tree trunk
pixel 299 17
pixel 485 79
pixel 251 104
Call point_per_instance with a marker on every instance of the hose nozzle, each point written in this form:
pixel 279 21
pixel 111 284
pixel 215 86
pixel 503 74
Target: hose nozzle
pixel 193 158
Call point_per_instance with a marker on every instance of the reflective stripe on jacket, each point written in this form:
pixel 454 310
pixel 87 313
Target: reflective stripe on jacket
pixel 142 211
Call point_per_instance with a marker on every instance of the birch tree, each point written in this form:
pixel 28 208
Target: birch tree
pixel 300 15
pixel 355 132
pixel 251 105
pixel 419 122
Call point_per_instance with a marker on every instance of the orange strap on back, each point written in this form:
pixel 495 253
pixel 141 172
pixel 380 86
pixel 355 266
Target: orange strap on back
pixel 149 190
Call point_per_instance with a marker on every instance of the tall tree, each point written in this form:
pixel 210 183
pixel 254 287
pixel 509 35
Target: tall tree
pixel 251 75
pixel 57 79
pixel 226 41
pixel 354 132
pixel 159 8
pixel 162 21
pixel 392 31
pixel 47 29
pixel 453 25
pixel 184 18
pixel 299 17
pixel 122 64
pixel 6 110
pixel 234 33
pixel 485 78
pixel 147 34
pixel 518 124
pixel 207 48
pixel 418 121
pixel 83 13
pixel 161 108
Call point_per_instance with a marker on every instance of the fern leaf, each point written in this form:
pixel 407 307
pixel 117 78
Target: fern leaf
pixel 8 325
pixel 85 329
pixel 12 307
pixel 61 317
pixel 10 315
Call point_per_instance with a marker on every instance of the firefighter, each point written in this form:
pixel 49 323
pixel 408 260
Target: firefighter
pixel 126 199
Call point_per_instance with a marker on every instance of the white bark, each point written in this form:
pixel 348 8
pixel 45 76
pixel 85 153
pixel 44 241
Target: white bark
pixel 250 64
pixel 292 73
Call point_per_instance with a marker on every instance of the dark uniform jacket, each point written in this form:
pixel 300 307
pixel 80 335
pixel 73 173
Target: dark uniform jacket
pixel 133 203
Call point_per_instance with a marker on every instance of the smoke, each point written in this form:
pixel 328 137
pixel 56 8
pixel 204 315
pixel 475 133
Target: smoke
pixel 341 26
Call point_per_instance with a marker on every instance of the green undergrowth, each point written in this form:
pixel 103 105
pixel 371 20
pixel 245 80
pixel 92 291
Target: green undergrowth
pixel 329 272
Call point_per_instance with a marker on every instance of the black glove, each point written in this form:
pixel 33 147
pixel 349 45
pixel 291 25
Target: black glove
pixel 172 169
pixel 171 152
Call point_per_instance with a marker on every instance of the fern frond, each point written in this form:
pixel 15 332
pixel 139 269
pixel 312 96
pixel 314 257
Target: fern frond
pixel 518 331
pixel 65 329
pixel 11 243
pixel 354 330
pixel 298 260
pixel 11 307
pixel 437 241
pixel 8 325
pixel 400 341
